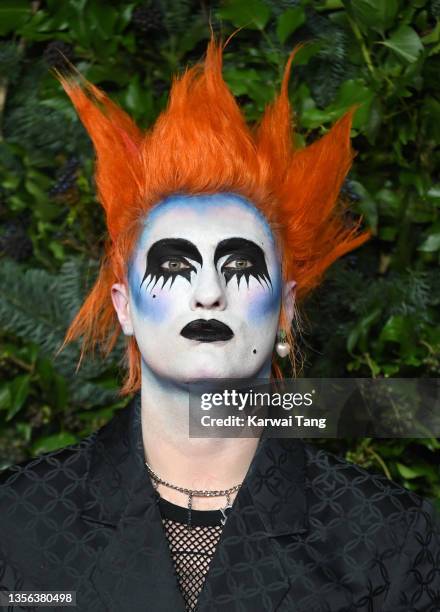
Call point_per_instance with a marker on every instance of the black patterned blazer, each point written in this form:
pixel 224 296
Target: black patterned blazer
pixel 309 532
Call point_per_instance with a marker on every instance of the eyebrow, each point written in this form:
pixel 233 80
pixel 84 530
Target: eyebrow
pixel 238 246
pixel 175 247
pixel 180 247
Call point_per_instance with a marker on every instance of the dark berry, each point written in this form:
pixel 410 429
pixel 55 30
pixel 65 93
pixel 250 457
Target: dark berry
pixel 3 201
pixel 66 178
pixel 147 19
pixel 348 191
pixel 160 87
pixel 14 242
pixel 58 54
pixel 435 8
pixel 352 261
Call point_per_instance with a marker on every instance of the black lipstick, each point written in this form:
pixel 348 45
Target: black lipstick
pixel 204 330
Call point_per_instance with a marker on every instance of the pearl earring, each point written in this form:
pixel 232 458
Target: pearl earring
pixel 282 347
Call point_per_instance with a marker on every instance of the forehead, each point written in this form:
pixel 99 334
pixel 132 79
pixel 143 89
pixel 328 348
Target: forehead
pixel 205 220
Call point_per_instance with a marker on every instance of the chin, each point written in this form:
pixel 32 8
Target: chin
pixel 208 361
pixel 218 371
pixel 203 369
pixel 205 372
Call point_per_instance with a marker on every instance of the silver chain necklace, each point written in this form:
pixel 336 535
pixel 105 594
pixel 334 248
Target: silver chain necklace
pixel 196 493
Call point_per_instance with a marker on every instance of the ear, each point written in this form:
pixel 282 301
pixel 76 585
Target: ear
pixel 289 290
pixel 122 306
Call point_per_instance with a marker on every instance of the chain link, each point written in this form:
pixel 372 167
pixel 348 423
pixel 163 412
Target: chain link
pixel 194 492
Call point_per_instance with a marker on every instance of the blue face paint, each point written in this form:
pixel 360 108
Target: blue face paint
pixel 205 257
pixel 153 305
pixel 200 203
pixel 263 304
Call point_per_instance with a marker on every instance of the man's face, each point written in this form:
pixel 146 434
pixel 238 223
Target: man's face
pixel 205 289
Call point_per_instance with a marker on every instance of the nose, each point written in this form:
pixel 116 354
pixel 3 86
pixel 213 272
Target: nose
pixel 209 293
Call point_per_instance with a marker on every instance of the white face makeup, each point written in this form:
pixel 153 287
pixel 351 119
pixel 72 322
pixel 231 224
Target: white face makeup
pixel 205 289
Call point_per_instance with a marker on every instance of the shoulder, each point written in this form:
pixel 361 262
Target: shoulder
pixel 38 497
pixel 366 496
pixel 47 475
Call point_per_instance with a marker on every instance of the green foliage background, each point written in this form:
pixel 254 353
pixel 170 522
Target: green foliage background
pixel 377 313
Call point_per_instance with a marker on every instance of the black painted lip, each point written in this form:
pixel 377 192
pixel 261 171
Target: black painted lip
pixel 207 330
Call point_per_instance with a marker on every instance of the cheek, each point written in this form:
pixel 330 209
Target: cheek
pixel 262 303
pixel 265 302
pixel 152 305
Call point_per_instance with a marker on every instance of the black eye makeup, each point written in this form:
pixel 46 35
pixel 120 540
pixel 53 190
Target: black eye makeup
pixel 244 259
pixel 170 258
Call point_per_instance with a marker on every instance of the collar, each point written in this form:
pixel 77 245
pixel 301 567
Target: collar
pixel 135 565
pixel 276 479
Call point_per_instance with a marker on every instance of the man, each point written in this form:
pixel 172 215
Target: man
pixel 214 232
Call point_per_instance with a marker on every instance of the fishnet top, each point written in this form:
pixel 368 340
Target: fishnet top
pixel 191 550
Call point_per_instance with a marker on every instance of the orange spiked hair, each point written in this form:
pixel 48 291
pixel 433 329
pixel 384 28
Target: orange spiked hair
pixel 201 144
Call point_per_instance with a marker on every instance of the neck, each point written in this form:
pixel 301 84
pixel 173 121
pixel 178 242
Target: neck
pixel 193 463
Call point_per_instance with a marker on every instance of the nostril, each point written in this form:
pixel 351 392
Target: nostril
pixel 215 304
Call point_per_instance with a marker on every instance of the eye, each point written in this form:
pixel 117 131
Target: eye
pixel 238 264
pixel 175 265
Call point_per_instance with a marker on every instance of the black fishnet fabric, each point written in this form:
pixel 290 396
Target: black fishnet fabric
pixel 191 549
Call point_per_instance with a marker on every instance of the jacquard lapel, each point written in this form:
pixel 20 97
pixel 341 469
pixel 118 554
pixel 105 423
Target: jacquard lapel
pixel 134 571
pixel 246 572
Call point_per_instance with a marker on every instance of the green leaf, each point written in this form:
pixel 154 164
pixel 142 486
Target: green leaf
pixel 5 396
pixel 13 14
pixel 434 192
pixel 36 192
pixel 57 250
pixel 46 209
pixel 194 33
pixel 138 99
pixel 359 333
pixel 53 385
pixel 42 24
pixel 415 471
pixel 367 206
pixel 390 369
pixel 19 389
pixel 304 54
pixel 406 43
pixel 290 21
pixel 431 244
pixel 388 233
pixel 134 94
pixel 412 360
pixel 354 92
pixel 101 18
pixel 376 14
pixel 398 329
pixel 51 443
pixel 251 14
pixel 59 392
pixel 239 80
pixel 433 36
pixel 351 93
pixel 389 201
pixel 329 5
pixel 25 431
pixel 430 113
